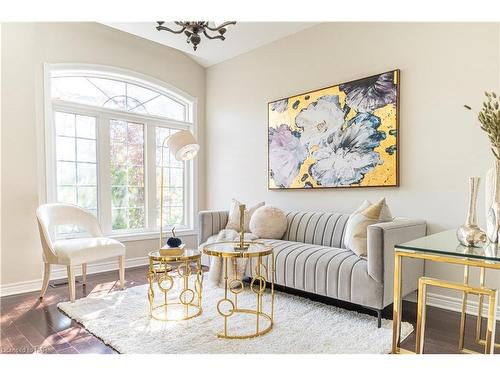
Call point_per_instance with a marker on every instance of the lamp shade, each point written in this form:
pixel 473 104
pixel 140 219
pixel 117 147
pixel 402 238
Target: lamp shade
pixel 183 145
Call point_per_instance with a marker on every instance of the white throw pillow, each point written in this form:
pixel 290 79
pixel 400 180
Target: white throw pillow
pixel 356 233
pixel 268 222
pixel 348 228
pixel 233 221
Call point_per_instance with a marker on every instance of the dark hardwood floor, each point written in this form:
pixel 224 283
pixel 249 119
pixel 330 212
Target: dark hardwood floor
pixel 28 325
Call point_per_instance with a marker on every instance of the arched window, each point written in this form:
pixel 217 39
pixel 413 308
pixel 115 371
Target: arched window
pixel 105 128
pixel 116 94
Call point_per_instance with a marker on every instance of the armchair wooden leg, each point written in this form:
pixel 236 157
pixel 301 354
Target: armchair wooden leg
pixel 84 273
pixel 71 282
pixel 121 270
pixel 46 278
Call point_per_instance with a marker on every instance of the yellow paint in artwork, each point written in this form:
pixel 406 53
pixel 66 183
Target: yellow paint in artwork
pixel 382 175
pixel 352 113
pixel 303 170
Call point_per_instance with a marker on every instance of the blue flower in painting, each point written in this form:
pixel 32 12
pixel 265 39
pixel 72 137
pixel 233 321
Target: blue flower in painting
pixel 366 95
pixel 320 119
pixel 286 155
pixel 348 154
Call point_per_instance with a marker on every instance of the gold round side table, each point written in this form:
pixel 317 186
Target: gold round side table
pixel 179 300
pixel 261 276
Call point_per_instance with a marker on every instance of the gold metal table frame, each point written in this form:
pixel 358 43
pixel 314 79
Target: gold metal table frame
pixel 479 321
pixel 481 291
pixel 162 274
pixel 228 306
pixel 466 289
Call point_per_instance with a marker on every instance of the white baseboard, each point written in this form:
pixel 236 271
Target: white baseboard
pixel 454 303
pixel 59 272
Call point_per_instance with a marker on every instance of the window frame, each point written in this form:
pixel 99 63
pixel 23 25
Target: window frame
pixel 103 116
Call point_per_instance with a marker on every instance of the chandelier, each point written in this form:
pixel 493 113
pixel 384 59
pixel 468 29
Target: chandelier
pixel 193 29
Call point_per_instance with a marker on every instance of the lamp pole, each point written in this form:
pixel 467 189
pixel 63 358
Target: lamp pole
pixel 161 192
pixel 183 147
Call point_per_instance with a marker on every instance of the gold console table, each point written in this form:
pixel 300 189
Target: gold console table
pixel 228 306
pixel 444 248
pixel 179 300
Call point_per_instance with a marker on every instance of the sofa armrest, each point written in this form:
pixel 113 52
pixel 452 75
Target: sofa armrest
pixel 210 223
pixel 382 238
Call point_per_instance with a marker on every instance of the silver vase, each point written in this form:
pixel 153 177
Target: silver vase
pixel 470 234
pixel 492 202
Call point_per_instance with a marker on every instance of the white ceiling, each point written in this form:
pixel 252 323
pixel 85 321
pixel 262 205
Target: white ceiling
pixel 240 38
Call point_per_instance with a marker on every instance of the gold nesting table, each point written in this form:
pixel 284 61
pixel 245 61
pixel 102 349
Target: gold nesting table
pixel 444 248
pixel 262 268
pixel 175 285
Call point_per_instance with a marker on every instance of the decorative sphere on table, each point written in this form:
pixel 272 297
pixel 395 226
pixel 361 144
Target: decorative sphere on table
pixel 174 241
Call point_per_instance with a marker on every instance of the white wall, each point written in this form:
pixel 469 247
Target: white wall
pixel 443 66
pixel 25 48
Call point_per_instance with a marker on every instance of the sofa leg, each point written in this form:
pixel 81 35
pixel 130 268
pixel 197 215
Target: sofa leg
pixel 379 318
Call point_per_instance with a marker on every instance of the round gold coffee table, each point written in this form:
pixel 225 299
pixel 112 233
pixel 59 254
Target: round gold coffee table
pixel 178 300
pixel 261 276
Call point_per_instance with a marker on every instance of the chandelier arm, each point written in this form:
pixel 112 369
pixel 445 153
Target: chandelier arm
pixel 216 28
pixel 213 37
pixel 160 27
pixel 194 29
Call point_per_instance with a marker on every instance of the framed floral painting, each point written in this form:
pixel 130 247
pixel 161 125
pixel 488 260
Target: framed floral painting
pixel 340 136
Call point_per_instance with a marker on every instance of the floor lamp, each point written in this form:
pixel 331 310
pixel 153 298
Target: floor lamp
pixel 183 146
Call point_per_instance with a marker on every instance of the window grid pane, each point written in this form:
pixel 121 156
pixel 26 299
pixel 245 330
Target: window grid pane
pixel 76 174
pixel 127 175
pixel 173 182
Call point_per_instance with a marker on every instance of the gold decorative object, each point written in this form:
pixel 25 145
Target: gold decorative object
pixel 470 234
pixel 228 306
pixel 164 271
pixel 241 245
pixel 172 250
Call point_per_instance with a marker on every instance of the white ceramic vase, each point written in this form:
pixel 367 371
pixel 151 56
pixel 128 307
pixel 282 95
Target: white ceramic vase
pixel 492 202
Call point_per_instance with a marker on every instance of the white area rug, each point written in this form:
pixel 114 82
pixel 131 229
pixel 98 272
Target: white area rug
pixel 121 320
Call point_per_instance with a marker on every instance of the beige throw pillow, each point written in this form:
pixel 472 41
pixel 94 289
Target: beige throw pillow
pixel 357 225
pixel 233 221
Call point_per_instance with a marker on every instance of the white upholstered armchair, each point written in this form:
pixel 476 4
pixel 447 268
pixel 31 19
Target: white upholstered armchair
pixel 75 251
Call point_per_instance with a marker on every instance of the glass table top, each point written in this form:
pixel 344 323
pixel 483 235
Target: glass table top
pixel 229 249
pixel 446 243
